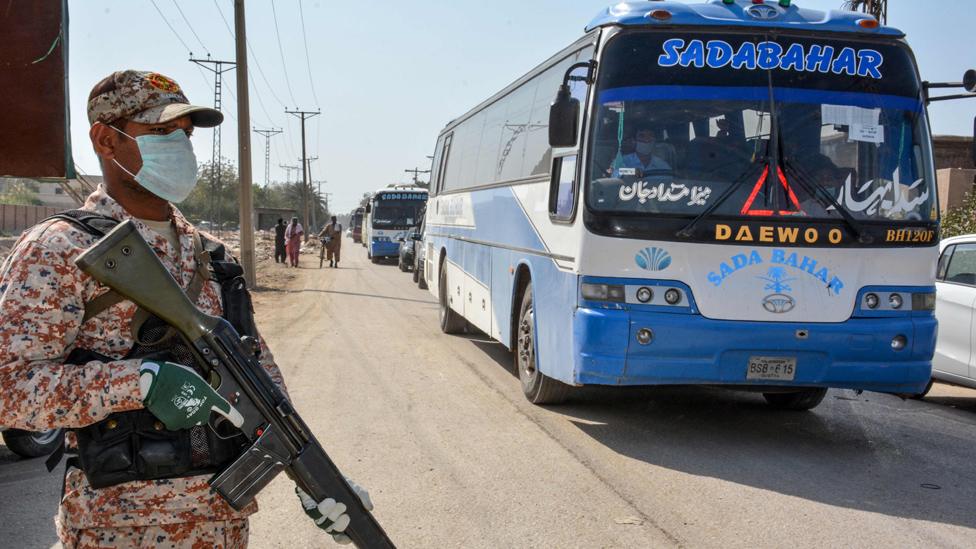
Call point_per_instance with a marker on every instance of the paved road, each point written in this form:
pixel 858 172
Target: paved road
pixel 436 427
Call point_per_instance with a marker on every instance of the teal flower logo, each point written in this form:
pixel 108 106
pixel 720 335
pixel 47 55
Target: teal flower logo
pixel 653 259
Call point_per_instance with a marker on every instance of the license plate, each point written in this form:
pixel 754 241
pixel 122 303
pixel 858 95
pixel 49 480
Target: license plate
pixel 771 368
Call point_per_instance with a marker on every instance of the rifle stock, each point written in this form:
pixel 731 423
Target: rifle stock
pixel 280 439
pixel 124 262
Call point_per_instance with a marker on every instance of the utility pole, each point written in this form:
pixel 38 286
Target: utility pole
pixel 304 115
pixel 244 148
pixel 288 169
pixel 218 68
pixel 268 134
pixel 313 198
pixel 416 172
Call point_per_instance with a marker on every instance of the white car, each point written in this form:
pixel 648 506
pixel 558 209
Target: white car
pixel 955 308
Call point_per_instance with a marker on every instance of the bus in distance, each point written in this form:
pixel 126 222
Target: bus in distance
pixel 389 214
pixel 728 193
pixel 356 223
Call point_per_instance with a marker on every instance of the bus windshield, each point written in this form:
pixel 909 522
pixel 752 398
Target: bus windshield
pixel 685 119
pixel 397 210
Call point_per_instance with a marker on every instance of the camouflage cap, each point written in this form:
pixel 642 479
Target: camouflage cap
pixel 147 98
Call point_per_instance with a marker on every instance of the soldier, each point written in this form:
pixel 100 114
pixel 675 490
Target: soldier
pixel 75 355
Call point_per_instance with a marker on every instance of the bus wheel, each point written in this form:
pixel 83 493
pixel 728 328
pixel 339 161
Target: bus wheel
pixel 451 322
pixel 806 399
pixel 920 396
pixel 538 387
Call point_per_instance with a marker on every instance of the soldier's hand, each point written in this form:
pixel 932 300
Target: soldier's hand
pixel 180 398
pixel 330 515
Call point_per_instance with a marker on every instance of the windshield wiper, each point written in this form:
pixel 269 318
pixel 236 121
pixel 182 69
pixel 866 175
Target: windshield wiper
pixel 686 232
pixel 827 200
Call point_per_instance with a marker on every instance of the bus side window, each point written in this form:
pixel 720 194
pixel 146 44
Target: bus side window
pixel 562 189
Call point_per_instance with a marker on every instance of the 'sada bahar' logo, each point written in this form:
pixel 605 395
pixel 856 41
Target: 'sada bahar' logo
pixel 653 259
pixel 777 280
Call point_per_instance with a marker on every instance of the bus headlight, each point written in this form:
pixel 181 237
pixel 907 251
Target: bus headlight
pixel 644 294
pixel 896 301
pixel 871 300
pixel 672 296
pixel 603 292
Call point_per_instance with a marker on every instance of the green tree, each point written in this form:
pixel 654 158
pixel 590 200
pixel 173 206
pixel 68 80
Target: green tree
pixel 962 218
pixel 209 203
pixel 21 193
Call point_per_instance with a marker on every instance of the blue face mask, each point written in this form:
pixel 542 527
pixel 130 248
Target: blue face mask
pixel 169 167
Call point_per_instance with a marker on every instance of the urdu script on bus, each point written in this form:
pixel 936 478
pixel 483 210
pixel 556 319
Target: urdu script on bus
pixel 717 54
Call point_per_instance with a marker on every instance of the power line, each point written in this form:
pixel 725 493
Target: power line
pixel 308 63
pixel 176 34
pixel 187 21
pixel 281 52
pixel 254 57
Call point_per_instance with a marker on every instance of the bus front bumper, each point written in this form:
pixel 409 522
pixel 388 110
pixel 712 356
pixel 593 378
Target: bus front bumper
pixel 689 349
pixel 384 249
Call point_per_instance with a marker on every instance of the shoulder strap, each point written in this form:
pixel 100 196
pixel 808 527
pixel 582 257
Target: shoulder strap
pixel 92 223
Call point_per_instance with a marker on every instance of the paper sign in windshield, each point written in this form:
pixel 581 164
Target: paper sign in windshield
pixel 867 134
pixel 846 115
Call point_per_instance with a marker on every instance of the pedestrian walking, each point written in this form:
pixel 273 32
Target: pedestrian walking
pixel 331 237
pixel 280 241
pixel 75 355
pixel 293 240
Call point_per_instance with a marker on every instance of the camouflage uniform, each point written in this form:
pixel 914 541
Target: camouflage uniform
pixel 42 300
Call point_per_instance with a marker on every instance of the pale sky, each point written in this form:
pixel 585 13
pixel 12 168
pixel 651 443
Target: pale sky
pixel 389 75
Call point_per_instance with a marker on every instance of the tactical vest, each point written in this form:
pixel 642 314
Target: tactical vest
pixel 134 445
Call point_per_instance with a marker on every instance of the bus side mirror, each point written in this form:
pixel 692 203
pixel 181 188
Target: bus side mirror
pixel 969 81
pixel 368 208
pixel 564 119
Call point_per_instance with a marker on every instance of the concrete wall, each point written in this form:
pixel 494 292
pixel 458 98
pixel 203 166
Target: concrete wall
pixel 14 219
pixel 954 183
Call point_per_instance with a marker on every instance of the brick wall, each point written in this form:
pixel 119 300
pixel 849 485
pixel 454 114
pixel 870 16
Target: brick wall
pixel 14 219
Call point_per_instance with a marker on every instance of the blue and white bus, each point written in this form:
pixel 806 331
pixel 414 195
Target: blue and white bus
pixel 390 212
pixel 741 194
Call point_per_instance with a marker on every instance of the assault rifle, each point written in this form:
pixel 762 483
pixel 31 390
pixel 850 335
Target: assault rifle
pixel 280 440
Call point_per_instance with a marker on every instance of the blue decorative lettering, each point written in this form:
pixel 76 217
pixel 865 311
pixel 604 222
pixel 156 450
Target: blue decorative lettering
pixel 768 55
pixel 808 264
pixel 694 54
pixel 670 56
pixel 835 285
pixel 745 57
pixel 792 59
pixel 818 60
pixel 846 62
pixel 869 64
pixel 715 279
pixel 719 54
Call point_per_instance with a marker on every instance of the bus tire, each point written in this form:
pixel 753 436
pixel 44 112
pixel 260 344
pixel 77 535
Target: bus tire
pixel 451 322
pixel 416 275
pixel 28 444
pixel 806 399
pixel 920 396
pixel 538 387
